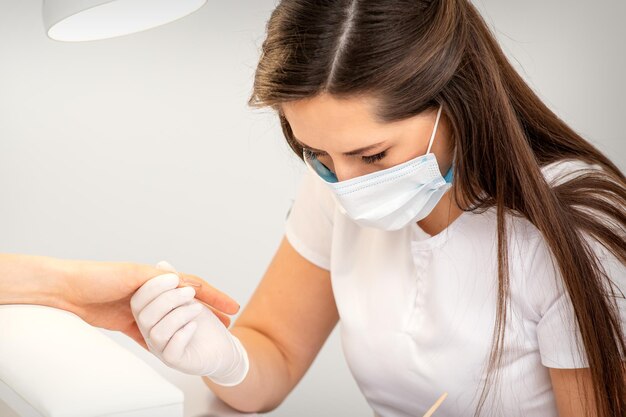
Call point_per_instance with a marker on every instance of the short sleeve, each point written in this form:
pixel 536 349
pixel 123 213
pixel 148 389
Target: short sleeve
pixel 309 224
pixel 558 333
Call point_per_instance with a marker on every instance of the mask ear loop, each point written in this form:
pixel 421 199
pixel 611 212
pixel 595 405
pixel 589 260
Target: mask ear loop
pixel 432 136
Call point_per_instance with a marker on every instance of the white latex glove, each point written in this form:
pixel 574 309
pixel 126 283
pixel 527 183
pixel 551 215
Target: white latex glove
pixel 184 333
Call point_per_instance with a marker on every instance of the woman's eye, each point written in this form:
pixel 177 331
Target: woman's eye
pixel 367 159
pixel 311 154
pixel 373 158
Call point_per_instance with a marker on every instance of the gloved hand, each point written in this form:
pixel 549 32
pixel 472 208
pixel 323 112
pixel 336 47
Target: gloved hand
pixel 184 333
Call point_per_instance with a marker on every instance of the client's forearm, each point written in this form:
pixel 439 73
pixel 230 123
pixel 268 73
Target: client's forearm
pixel 28 279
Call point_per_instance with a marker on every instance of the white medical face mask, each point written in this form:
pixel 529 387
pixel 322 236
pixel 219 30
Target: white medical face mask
pixel 391 198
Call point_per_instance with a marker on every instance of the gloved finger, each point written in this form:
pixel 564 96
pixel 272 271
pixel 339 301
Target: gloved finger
pixel 162 305
pixel 166 266
pixel 162 332
pixel 150 290
pixel 223 317
pixel 206 293
pixel 175 348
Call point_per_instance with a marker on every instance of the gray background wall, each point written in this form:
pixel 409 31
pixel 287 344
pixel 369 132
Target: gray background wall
pixel 142 148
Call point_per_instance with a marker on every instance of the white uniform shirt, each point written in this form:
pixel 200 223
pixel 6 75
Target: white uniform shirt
pixel 417 311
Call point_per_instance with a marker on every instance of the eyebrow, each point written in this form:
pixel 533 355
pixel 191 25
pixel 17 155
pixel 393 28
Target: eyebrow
pixel 350 153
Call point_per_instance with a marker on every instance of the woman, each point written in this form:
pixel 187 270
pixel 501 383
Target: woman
pixel 470 241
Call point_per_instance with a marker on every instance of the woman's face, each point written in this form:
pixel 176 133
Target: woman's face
pixel 337 130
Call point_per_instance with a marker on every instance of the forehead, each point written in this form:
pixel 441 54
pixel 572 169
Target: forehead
pixel 328 105
pixel 321 118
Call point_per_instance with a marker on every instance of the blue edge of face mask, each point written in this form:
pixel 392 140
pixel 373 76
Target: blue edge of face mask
pixel 328 175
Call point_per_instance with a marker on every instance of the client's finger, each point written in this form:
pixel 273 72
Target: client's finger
pixel 223 317
pixel 134 333
pixel 210 295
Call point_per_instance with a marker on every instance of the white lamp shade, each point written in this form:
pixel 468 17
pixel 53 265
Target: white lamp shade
pixel 87 20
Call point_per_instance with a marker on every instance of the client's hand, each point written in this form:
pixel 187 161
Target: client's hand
pixel 185 334
pixel 100 293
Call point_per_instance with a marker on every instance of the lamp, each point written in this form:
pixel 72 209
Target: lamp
pixel 87 20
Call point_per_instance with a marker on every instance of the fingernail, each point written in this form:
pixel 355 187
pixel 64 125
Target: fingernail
pixel 193 284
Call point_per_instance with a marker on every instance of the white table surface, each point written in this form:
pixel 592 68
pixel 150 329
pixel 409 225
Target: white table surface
pixel 196 405
pixel 314 396
pixel 199 399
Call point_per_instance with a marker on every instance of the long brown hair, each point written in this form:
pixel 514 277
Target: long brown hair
pixel 413 55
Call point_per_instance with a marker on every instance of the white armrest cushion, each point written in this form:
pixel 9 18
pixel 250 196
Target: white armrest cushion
pixel 57 365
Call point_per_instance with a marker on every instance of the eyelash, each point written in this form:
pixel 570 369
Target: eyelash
pixel 367 159
pixel 374 158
